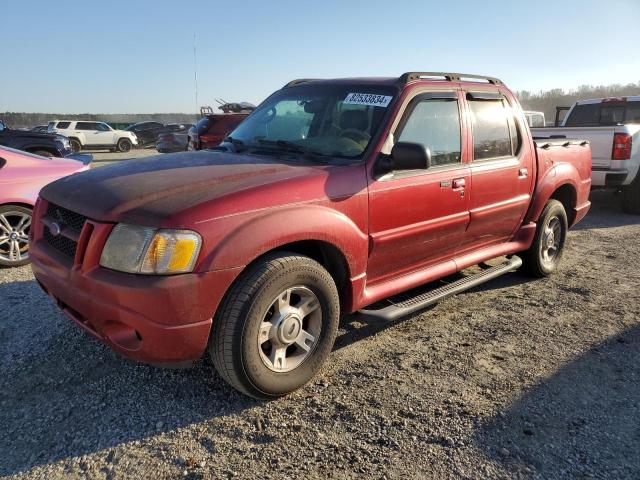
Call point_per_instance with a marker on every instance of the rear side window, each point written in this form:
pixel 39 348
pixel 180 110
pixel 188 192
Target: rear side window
pixel 633 113
pixel 492 132
pixel 434 123
pixel 63 125
pixel 86 126
pixel 597 114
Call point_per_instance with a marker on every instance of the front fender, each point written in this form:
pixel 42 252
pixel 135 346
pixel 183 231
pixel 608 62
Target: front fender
pixel 253 236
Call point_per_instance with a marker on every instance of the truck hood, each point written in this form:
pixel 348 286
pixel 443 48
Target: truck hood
pixel 151 190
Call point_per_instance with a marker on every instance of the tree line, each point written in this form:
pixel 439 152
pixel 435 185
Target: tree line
pixel 543 101
pixel 547 101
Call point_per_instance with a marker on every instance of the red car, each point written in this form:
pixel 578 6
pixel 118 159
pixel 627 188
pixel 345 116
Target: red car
pixel 331 196
pixel 22 175
pixel 211 129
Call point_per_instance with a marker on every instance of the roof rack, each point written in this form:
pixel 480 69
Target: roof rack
pixel 298 81
pixel 448 76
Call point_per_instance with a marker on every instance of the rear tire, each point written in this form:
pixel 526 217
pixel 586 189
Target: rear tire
pixel 276 326
pixel 544 256
pixel 631 197
pixel 15 223
pixel 124 145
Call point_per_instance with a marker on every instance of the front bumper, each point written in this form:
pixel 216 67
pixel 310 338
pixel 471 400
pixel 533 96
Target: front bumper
pixel 152 319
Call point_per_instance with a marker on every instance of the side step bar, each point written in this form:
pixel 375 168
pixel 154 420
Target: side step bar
pixel 406 307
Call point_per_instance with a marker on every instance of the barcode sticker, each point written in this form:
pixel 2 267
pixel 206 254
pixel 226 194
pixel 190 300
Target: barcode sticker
pixel 368 99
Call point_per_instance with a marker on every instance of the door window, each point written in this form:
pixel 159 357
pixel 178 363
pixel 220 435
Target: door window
pixel 102 127
pixel 434 123
pixel 86 126
pixel 492 133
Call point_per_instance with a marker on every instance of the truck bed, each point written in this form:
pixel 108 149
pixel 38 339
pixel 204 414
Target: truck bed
pixel 606 172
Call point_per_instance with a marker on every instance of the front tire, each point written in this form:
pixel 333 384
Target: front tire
pixel 631 197
pixel 276 326
pixel 75 145
pixel 544 256
pixel 124 145
pixel 15 223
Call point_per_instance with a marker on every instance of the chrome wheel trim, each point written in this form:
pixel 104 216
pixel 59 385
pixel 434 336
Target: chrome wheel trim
pixel 14 236
pixel 551 238
pixel 290 329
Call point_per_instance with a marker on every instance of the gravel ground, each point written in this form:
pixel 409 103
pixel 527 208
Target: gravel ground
pixel 517 379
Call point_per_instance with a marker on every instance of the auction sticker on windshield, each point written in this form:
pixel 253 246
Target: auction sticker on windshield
pixel 368 99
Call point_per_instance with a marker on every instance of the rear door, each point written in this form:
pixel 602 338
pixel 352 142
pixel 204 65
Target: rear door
pixel 89 131
pixel 502 170
pixel 418 218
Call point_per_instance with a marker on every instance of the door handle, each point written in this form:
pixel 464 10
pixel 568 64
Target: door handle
pixel 523 173
pixel 458 183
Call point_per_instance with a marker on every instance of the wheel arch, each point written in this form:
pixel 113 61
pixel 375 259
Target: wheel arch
pixel 560 184
pixel 50 150
pixel 568 196
pixel 324 234
pixel 18 203
pixel 327 255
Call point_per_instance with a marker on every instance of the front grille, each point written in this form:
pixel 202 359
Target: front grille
pixel 62 244
pixel 64 218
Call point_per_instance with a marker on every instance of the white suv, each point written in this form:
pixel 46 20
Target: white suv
pixel 93 135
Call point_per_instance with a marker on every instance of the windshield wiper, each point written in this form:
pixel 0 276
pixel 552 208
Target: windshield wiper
pixel 292 147
pixel 236 142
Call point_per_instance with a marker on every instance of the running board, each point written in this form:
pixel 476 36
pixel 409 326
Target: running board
pixel 406 307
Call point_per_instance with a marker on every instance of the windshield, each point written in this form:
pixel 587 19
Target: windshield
pixel 323 120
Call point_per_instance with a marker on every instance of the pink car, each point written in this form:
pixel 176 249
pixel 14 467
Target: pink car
pixel 22 175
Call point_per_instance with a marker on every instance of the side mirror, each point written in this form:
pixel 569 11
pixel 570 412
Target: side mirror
pixel 410 156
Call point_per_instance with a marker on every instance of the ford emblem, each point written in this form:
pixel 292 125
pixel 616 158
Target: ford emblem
pixel 55 229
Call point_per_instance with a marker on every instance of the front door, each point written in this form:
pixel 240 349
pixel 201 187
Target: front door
pixel 419 217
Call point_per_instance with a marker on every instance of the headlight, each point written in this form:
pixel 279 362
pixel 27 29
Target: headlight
pixel 150 251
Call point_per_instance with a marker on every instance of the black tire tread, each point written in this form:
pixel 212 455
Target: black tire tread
pixel 229 317
pixel 631 197
pixel 529 257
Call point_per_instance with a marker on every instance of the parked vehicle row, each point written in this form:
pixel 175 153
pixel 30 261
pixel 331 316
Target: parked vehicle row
pixel 331 196
pixel 612 126
pixel 93 135
pixel 148 132
pixel 43 144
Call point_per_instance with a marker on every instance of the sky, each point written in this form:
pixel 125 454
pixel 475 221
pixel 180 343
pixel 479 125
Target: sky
pixel 137 56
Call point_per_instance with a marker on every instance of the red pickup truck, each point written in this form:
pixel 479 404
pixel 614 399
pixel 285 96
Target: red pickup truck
pixel 332 196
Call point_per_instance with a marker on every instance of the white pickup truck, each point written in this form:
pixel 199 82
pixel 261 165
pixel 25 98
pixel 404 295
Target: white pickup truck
pixel 612 126
pixel 93 135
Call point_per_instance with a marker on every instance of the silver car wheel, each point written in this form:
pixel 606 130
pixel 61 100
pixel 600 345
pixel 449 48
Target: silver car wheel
pixel 550 245
pixel 290 329
pixel 14 236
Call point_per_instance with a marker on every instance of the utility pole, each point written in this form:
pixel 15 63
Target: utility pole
pixel 195 68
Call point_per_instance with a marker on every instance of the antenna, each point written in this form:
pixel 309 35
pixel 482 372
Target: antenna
pixel 195 67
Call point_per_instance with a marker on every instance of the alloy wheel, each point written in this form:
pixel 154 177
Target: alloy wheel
pixel 14 236
pixel 290 329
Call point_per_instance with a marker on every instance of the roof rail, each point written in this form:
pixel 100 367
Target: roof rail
pixel 448 76
pixel 298 81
